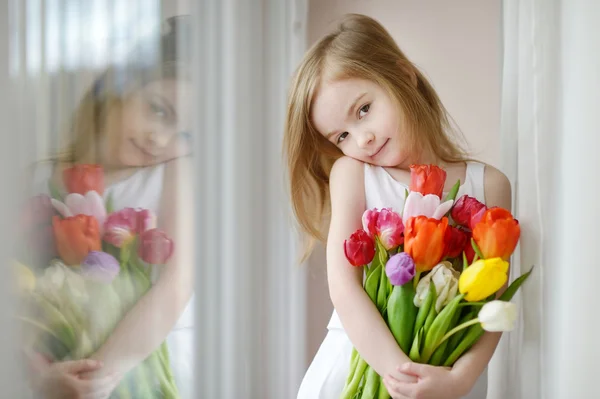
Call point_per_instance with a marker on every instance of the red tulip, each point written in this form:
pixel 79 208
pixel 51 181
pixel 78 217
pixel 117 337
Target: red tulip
pixel 155 247
pixel 467 211
pixel 75 237
pixel 359 249
pixel 427 179
pixel 389 229
pixel 424 241
pixel 456 240
pixel 497 233
pixel 369 221
pixel 82 178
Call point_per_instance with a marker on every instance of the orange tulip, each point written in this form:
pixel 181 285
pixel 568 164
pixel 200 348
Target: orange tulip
pixel 424 241
pixel 75 237
pixel 497 233
pixel 83 178
pixel 427 179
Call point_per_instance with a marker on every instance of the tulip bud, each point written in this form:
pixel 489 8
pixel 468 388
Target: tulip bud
pixel 100 266
pixel 369 221
pixel 483 278
pixel 427 179
pixel 498 316
pixel 465 209
pixel 155 247
pixel 400 268
pixel 445 280
pixel 83 178
pixel 390 229
pixel 359 249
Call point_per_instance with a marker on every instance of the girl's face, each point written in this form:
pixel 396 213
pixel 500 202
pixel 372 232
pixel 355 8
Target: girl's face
pixel 360 118
pixel 151 126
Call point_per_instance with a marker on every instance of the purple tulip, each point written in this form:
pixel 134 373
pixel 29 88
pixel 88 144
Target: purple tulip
pixel 100 266
pixel 400 268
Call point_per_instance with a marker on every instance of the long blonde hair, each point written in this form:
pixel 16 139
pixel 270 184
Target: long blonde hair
pixel 162 56
pixel 359 48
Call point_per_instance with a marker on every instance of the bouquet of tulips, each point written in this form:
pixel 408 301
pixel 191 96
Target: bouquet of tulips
pixel 81 266
pixel 434 271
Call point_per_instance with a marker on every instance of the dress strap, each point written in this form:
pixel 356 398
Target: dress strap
pixel 475 174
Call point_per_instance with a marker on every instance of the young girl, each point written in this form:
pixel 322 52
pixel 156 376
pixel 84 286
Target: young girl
pixel 134 122
pixel 359 114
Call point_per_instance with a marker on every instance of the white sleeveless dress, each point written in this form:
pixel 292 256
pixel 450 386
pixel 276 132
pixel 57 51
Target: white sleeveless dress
pixel 326 376
pixel 143 190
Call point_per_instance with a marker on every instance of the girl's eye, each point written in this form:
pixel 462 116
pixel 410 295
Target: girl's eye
pixel 342 137
pixel 363 110
pixel 158 110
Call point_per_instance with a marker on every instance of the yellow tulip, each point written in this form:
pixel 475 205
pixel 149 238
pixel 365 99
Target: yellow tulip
pixel 24 276
pixel 483 278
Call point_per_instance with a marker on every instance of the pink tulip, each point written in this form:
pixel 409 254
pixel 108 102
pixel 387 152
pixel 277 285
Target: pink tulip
pixel 123 225
pixel 369 221
pixel 120 226
pixel 155 247
pixel 390 228
pixel 428 205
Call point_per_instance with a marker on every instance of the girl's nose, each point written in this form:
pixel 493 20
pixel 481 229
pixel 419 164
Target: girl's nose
pixel 365 140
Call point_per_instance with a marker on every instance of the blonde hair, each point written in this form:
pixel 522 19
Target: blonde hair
pixel 162 56
pixel 359 48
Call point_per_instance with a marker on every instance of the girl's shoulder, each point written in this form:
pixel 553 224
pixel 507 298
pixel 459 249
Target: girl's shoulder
pixel 497 188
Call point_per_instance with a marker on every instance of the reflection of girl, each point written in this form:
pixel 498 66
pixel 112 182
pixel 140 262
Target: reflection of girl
pixel 133 122
pixel 359 114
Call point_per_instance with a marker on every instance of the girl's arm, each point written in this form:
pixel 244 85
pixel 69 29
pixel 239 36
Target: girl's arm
pixel 151 319
pixel 474 362
pixel 362 321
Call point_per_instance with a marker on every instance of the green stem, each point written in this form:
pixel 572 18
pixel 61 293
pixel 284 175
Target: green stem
pixel 351 388
pixel 353 363
pixel 457 329
pixel 42 327
pixel 416 279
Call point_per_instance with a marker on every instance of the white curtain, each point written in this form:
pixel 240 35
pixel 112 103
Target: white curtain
pixel 550 136
pixel 251 293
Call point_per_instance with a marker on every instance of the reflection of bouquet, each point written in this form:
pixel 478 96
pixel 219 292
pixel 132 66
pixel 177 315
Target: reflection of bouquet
pixel 87 266
pixel 434 273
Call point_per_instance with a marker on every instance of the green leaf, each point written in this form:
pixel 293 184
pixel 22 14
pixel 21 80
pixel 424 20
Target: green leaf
pixel 401 315
pixel 405 194
pixel 372 283
pixel 439 327
pixel 453 191
pixel 476 249
pixel 512 289
pixel 456 338
pixel 438 355
pixel 425 307
pixel 415 349
pixel 54 191
pixel 110 204
pixel 474 333
pixel 465 261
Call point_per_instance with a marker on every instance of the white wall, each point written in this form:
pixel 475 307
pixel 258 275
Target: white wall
pixel 457 45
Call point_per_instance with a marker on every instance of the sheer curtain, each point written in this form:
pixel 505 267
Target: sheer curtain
pixel 251 344
pixel 549 136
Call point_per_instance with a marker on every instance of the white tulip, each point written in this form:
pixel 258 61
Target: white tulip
pixel 498 316
pixel 445 280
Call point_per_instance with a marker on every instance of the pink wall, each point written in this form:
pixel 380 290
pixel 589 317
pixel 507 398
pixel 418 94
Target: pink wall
pixel 457 44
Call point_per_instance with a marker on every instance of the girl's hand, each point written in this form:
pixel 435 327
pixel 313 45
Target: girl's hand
pixel 432 383
pixel 60 380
